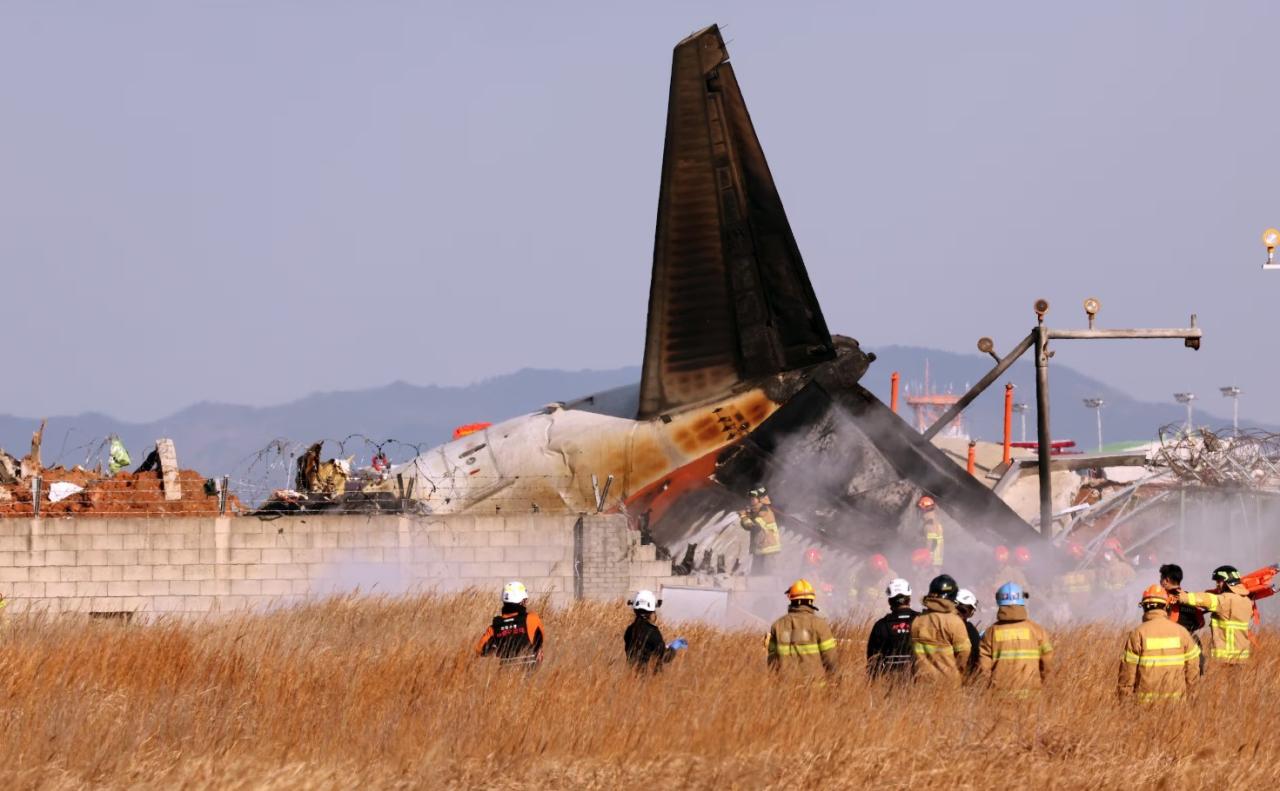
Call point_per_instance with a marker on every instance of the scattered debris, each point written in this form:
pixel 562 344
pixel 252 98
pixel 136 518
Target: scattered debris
pixel 61 490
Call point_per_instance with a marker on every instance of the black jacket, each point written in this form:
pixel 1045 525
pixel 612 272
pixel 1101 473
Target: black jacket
pixel 646 650
pixel 889 646
pixel 974 640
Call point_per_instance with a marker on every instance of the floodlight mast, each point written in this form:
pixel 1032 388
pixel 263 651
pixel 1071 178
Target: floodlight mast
pixel 1039 337
pixel 1187 399
pixel 1270 239
pixel 1096 405
pixel 1233 392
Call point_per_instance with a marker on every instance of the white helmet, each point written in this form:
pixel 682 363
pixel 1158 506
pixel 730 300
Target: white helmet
pixel 645 600
pixel 514 593
pixel 965 596
pixel 898 587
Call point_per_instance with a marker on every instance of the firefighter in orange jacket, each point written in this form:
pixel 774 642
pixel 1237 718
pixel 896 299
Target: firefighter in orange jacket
pixel 1230 608
pixel 939 640
pixel 515 635
pixel 801 642
pixel 1161 662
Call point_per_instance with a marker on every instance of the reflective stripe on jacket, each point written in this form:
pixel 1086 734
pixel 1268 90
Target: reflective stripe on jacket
pixel 765 538
pixel 1229 623
pixel 933 536
pixel 801 642
pixel 940 642
pixel 1160 661
pixel 1014 653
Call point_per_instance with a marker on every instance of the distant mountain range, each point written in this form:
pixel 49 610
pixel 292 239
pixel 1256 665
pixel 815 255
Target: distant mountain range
pixel 223 439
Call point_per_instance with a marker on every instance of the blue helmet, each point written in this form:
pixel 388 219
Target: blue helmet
pixel 1010 593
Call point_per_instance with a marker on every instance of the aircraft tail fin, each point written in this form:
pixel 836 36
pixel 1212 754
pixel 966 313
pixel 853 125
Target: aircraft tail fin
pixel 730 299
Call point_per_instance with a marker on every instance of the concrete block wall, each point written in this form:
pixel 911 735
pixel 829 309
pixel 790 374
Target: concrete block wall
pixel 185 565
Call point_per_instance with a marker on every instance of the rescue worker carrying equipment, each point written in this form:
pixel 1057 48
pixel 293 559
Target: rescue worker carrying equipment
pixel 646 650
pixel 889 646
pixel 1161 662
pixel 932 529
pixel 1231 609
pixel 1015 652
pixel 766 540
pixel 515 636
pixel 939 640
pixel 966 605
pixel 801 642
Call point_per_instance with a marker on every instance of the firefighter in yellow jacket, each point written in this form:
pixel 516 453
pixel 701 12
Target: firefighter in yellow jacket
pixel 939 641
pixel 1161 662
pixel 801 642
pixel 766 540
pixel 932 524
pixel 1230 608
pixel 1014 654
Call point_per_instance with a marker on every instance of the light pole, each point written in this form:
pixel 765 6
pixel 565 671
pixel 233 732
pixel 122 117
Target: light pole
pixel 1271 238
pixel 1186 398
pixel 1233 393
pixel 1096 405
pixel 1021 409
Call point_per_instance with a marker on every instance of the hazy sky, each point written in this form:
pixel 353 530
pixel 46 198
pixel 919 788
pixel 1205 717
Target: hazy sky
pixel 250 201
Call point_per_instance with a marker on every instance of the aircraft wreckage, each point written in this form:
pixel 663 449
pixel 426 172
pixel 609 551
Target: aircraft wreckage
pixel 742 383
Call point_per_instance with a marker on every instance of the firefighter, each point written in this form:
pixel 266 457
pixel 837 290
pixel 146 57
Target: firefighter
pixel 939 640
pixel 932 525
pixel 515 636
pixel 1230 608
pixel 1007 571
pixel 1160 662
pixel 868 584
pixel 1014 654
pixel 801 642
pixel 966 606
pixel 813 560
pixel 645 648
pixel 766 540
pixel 889 646
pixel 1077 586
pixel 921 566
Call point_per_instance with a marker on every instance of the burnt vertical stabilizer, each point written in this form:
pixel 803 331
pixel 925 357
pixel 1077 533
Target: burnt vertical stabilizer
pixel 730 299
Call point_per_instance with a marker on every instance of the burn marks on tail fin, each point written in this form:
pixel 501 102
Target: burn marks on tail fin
pixel 730 299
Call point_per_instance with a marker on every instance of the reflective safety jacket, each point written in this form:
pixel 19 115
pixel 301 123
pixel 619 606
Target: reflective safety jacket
pixel 889 645
pixel 1116 575
pixel 801 643
pixel 940 643
pixel 933 536
pixel 765 538
pixel 514 636
pixel 1077 583
pixel 1014 653
pixel 866 590
pixel 1228 624
pixel 1161 662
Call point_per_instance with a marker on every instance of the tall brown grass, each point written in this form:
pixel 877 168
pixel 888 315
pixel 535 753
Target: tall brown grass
pixel 386 694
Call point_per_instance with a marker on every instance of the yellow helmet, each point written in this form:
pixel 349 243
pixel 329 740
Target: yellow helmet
pixel 801 589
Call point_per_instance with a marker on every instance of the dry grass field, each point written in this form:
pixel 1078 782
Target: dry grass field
pixel 385 694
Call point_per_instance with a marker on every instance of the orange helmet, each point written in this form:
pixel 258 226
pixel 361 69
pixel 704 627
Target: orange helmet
pixel 1154 595
pixel 879 563
pixel 925 503
pixel 801 589
pixel 1077 550
pixel 921 557
pixel 1002 554
pixel 813 556
pixel 1113 544
pixel 1022 554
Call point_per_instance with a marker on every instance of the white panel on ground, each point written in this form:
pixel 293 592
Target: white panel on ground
pixel 680 603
